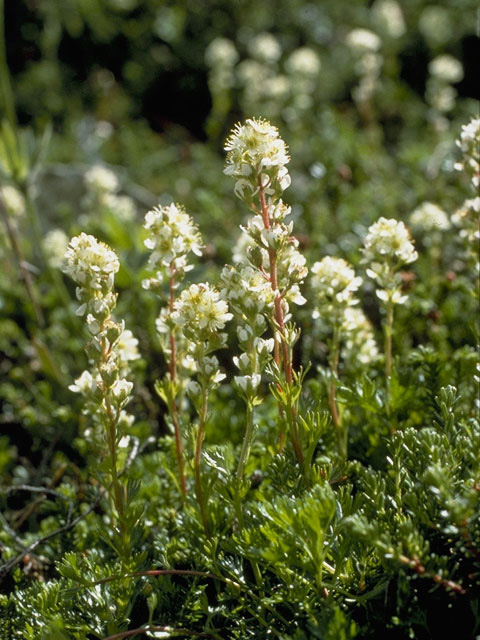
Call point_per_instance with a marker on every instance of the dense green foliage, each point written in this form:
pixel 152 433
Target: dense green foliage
pixel 381 543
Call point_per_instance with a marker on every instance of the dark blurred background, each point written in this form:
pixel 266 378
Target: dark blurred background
pixel 146 59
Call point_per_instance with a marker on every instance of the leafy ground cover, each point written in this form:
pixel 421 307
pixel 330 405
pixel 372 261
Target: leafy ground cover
pixel 239 365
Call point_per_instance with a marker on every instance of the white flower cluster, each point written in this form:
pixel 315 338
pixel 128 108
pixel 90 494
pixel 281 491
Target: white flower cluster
pixel 92 265
pixel 469 144
pixel 12 200
pixel 103 185
pixel 257 156
pixel 201 312
pixel 201 315
pixel 265 48
pixel 435 24
pixel 172 235
pixel 250 297
pixel 101 180
pixel 387 247
pixel 360 346
pixel 303 62
pixel 362 40
pixel 334 285
pixel 446 68
pixel 365 46
pixel 221 52
pixel 221 56
pixel 428 217
pixel 54 245
pixel 388 14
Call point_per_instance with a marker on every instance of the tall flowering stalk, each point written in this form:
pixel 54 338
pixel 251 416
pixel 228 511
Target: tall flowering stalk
pixel 387 248
pixel 250 298
pixel 201 315
pixel 334 284
pixel 257 158
pixel 172 236
pixel 92 265
pixel 467 218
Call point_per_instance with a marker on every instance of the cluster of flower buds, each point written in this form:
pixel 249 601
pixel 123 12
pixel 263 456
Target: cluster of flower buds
pixel 334 285
pixel 290 263
pixel 387 248
pixel 360 347
pixel 172 236
pixel 92 265
pixel 257 158
pixel 250 298
pixel 201 315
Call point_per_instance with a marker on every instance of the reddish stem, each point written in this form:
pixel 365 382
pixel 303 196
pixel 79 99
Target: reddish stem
pixel 287 364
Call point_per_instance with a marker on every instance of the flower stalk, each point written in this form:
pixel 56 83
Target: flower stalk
pixel 257 158
pixel 92 265
pixel 387 248
pixel 172 235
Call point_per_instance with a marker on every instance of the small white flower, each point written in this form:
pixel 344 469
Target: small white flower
pixel 83 384
pixel 249 383
pixel 121 389
pixel 193 388
pixel 126 346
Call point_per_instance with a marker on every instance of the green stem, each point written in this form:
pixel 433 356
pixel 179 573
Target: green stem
pixel 332 395
pixel 388 353
pixel 198 460
pixel 118 490
pixel 173 408
pixel 244 453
